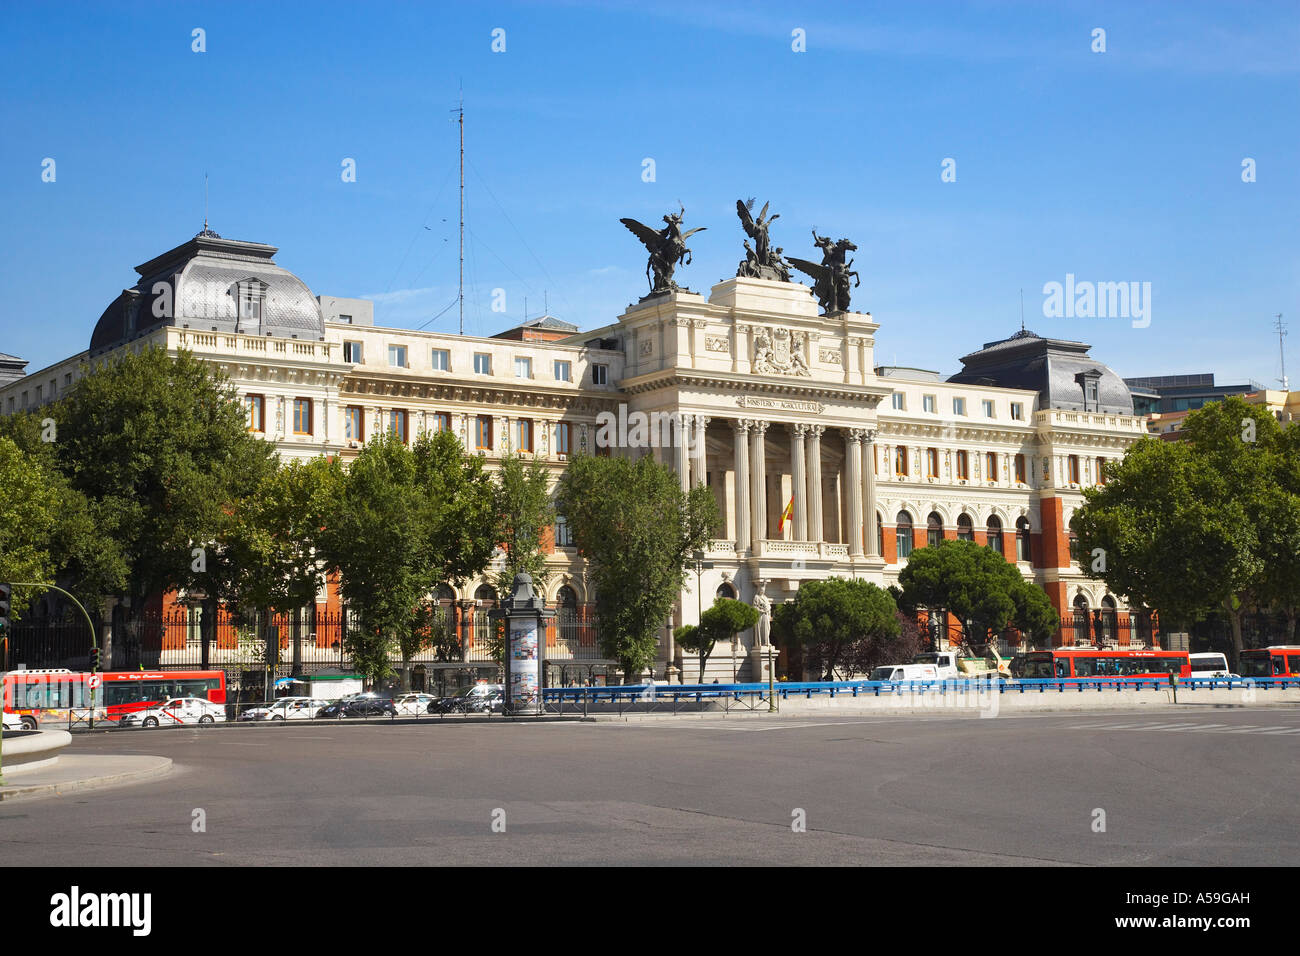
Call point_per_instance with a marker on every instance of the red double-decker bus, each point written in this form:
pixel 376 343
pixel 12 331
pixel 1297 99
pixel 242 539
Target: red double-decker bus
pixel 56 695
pixel 1117 664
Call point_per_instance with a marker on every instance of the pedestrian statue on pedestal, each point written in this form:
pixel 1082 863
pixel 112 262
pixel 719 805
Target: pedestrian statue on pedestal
pixel 763 604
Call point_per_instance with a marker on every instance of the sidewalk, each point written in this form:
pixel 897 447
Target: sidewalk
pixel 75 772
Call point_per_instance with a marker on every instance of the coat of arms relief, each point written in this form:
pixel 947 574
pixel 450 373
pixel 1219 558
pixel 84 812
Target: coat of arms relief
pixel 779 351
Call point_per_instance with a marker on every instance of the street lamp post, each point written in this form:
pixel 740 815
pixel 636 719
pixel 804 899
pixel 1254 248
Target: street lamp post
pixel 700 566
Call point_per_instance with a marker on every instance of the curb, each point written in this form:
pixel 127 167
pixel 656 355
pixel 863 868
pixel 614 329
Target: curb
pixel 157 767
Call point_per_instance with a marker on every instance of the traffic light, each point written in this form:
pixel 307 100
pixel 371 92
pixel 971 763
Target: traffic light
pixel 94 660
pixel 6 594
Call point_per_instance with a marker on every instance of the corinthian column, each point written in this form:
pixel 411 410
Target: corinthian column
pixel 757 484
pixel 741 527
pixel 853 492
pixel 799 480
pixel 699 472
pixel 869 492
pixel 683 449
pixel 815 482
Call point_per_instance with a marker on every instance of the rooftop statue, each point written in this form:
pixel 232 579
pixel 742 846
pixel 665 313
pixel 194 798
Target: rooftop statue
pixel 831 279
pixel 667 249
pixel 761 262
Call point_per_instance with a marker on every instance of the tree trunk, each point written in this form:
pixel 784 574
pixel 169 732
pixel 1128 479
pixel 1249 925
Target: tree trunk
pixel 1234 617
pixel 704 660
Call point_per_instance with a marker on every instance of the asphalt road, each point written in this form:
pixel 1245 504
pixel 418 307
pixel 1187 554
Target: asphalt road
pixel 1210 787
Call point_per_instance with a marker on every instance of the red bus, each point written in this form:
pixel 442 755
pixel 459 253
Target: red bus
pixel 1089 663
pixel 40 696
pixel 1279 660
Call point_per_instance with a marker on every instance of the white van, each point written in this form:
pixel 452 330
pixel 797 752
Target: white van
pixel 897 672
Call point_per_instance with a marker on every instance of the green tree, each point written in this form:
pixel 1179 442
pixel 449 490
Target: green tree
pixel 979 586
pixel 721 622
pixel 636 529
pixel 29 501
pixel 522 502
pixel 844 626
pixel 1206 522
pixel 405 520
pixel 160 448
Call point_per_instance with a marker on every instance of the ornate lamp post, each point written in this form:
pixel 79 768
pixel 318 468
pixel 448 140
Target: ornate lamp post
pixel 525 615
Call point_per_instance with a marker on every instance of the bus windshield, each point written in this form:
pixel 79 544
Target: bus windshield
pixel 1256 665
pixel 1036 668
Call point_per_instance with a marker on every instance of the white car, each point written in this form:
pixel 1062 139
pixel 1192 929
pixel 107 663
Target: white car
pixel 286 708
pixel 178 710
pixel 13 722
pixel 413 705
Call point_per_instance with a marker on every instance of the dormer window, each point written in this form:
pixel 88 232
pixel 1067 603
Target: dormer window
pixel 1091 382
pixel 250 301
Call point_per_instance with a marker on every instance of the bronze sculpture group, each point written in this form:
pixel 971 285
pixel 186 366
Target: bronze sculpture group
pixel 833 278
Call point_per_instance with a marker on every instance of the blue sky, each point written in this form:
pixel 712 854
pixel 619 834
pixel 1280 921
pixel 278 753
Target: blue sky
pixel 1122 166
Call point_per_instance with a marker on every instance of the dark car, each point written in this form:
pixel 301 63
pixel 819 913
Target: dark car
pixel 474 700
pixel 370 707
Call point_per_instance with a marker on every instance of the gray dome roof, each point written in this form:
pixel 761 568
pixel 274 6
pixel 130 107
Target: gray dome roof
pixel 1055 368
pixel 203 278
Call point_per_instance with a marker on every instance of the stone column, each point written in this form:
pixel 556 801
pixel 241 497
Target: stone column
pixel 869 491
pixel 853 491
pixel 815 482
pixel 699 467
pixel 741 437
pixel 757 484
pixel 799 479
pixel 683 450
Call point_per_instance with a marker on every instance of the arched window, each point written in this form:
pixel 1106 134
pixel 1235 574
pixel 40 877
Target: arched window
pixel 725 590
pixel 995 533
pixel 1081 628
pixel 1109 619
pixel 1022 539
pixel 933 529
pixel 566 619
pixel 880 534
pixel 903 534
pixel 486 599
pixel 965 528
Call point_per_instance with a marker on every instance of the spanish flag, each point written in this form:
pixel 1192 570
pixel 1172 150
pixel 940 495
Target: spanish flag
pixel 786 515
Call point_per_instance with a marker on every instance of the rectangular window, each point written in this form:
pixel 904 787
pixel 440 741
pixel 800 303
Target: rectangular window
pixel 345 319
pixel 352 352
pixel 1101 471
pixel 600 375
pixel 523 434
pixel 563 371
pixel 563 536
pixel 959 406
pixel 932 463
pixel 988 408
pixel 900 460
pixel 1020 468
pixel 1073 462
pixel 397 423
pixel 354 423
pixel 899 403
pixel 523 368
pixel 963 465
pixel 930 404
pixel 562 439
pixel 991 466
pixel 441 421
pixel 1018 411
pixel 39 388
pixel 302 416
pixel 397 356
pixel 482 363
pixel 440 360
pixel 256 406
pixel 483 432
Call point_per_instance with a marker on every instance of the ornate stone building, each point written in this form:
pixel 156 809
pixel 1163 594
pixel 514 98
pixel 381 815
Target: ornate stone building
pixel 750 391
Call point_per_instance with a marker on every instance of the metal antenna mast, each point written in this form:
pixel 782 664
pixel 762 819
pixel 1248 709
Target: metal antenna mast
pixel 1281 332
pixel 460 111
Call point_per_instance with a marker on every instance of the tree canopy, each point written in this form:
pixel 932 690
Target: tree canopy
pixel 721 622
pixel 636 529
pixel 843 626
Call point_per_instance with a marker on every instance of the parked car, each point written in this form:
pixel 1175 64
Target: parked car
pixel 369 707
pixel 13 722
pixel 898 672
pixel 471 700
pixel 178 710
pixel 286 708
pixel 412 705
pixel 485 703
